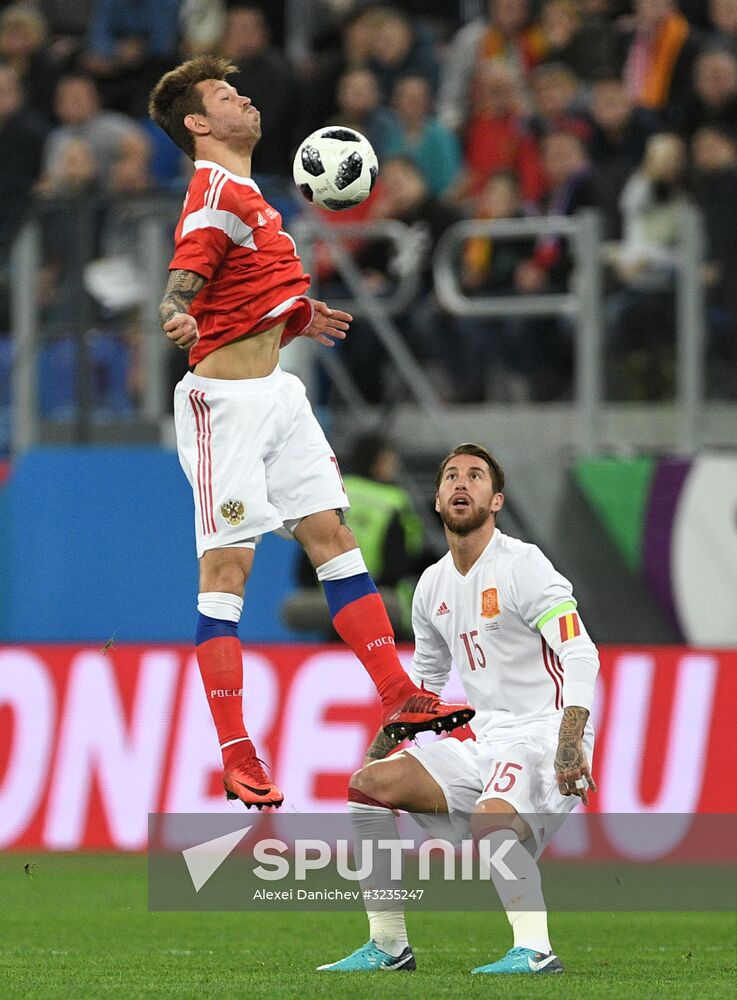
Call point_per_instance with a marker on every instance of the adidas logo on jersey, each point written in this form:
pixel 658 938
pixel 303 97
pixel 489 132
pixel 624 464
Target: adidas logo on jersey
pixel 442 610
pixel 261 220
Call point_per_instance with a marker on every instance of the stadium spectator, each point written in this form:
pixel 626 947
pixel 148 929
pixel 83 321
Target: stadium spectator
pixel 359 106
pixel 69 183
pixel 496 136
pixel 129 44
pixel 596 44
pixel 506 33
pixel 21 139
pixel 66 18
pixel 400 48
pixel 714 101
pixel 110 271
pixel 73 171
pixel 202 25
pixel 319 75
pixel 616 146
pixel 714 153
pixel 403 195
pixel 388 531
pixel 558 102
pixel 696 12
pixel 571 40
pixel 487 363
pixel 723 22
pixel 265 76
pixel 640 315
pixel 489 264
pixel 67 22
pixel 23 45
pixel 544 345
pixel 658 50
pixel 568 173
pixel 414 132
pixel 131 175
pixel 77 107
pixel 509 76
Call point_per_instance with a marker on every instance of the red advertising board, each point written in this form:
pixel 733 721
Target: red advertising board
pixel 91 741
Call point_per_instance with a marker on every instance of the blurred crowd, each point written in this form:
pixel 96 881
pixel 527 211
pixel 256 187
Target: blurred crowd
pixel 487 109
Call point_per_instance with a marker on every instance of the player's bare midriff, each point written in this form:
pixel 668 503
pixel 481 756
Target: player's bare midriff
pixel 254 356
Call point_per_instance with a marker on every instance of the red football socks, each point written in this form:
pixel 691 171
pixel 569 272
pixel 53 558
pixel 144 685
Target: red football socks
pixel 221 667
pixel 364 625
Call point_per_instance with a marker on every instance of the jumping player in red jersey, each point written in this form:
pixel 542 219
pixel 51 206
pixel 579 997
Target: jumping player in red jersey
pixel 252 450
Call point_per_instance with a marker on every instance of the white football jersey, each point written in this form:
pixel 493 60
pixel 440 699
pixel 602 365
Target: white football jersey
pixel 502 624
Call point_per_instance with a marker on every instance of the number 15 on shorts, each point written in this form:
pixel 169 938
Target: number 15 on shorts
pixel 503 780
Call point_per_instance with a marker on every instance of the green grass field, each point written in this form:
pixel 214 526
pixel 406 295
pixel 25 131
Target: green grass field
pixel 78 926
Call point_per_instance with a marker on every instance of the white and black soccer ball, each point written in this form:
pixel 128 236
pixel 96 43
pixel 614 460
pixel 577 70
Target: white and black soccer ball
pixel 335 168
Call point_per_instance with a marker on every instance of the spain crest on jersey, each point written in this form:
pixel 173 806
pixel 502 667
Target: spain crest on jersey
pixel 490 603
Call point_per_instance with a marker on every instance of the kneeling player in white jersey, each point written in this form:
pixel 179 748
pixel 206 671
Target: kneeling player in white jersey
pixel 497 608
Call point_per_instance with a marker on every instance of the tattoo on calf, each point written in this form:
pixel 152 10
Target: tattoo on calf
pixel 380 746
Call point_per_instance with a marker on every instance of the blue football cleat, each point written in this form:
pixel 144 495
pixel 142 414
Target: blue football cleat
pixel 370 958
pixel 523 960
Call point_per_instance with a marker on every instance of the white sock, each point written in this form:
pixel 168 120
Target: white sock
pixel 387 926
pixel 223 607
pixel 340 567
pixel 522 898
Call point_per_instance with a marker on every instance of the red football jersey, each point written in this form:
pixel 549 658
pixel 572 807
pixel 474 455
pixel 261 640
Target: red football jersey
pixel 230 235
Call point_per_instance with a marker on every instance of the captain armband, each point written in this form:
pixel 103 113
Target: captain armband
pixel 564 632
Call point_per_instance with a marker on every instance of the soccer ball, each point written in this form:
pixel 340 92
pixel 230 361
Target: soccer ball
pixel 335 168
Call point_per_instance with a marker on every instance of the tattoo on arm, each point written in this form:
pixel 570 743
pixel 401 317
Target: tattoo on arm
pixel 181 289
pixel 380 746
pixel 570 755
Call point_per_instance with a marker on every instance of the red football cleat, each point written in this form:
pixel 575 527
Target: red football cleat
pixel 245 779
pixel 422 712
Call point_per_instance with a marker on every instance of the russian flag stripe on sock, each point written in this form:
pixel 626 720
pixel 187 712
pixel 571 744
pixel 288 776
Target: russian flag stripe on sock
pixel 339 593
pixel 213 628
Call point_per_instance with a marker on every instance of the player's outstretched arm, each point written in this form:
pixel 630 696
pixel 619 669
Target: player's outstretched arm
pixel 571 766
pixel 328 325
pixel 176 321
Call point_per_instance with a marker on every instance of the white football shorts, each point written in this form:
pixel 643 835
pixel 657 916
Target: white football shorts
pixel 519 769
pixel 255 457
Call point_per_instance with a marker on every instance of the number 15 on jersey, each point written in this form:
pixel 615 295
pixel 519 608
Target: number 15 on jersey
pixel 474 650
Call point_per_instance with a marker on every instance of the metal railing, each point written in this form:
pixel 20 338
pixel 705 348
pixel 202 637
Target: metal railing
pixel 378 311
pixel 690 332
pixel 408 248
pixel 583 305
pixel 153 219
pixel 149 221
